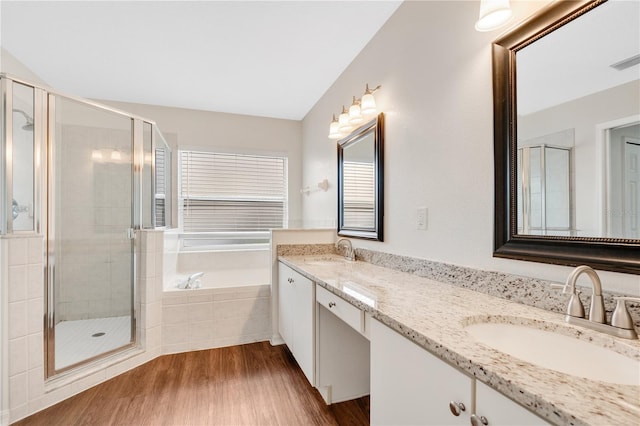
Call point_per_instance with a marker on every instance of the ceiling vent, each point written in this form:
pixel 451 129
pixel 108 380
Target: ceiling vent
pixel 626 63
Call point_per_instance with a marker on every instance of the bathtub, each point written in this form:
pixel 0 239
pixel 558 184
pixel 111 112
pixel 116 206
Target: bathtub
pixel 232 306
pixel 222 269
pixel 221 278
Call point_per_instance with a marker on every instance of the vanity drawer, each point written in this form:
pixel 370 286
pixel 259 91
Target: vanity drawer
pixel 344 310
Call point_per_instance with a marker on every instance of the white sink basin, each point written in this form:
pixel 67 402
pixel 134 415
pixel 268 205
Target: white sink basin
pixel 326 261
pixel 558 352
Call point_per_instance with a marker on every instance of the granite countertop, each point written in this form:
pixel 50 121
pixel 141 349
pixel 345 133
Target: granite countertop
pixel 434 315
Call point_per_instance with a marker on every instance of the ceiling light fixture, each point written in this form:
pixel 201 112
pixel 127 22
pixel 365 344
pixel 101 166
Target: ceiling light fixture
pixel 493 14
pixel 359 111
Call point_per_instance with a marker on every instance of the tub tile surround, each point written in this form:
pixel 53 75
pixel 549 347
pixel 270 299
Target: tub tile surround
pixel 433 314
pixel 212 318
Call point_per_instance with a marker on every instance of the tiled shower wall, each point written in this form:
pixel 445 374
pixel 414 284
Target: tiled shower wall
pixel 24 257
pixel 94 264
pixel 191 321
pixel 22 268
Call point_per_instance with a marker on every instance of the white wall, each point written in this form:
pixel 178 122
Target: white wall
pixel 195 129
pixel 435 71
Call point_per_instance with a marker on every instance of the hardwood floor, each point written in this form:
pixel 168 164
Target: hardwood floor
pixel 255 384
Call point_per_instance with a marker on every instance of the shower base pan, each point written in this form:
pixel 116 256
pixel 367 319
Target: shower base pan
pixel 80 340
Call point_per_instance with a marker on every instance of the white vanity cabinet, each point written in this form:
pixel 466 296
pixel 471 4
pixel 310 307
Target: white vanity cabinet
pixel 500 410
pixel 410 386
pixel 296 315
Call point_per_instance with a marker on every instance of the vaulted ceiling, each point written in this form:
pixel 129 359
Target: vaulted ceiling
pixel 264 58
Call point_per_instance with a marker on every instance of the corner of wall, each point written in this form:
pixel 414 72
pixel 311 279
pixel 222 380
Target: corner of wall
pixel 9 64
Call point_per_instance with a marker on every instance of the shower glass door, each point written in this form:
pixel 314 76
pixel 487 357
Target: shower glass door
pixel 90 214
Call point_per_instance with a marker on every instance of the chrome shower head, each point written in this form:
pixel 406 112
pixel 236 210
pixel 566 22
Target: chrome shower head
pixel 28 126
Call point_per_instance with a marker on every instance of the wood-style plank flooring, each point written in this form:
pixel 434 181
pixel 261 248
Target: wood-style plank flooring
pixel 254 384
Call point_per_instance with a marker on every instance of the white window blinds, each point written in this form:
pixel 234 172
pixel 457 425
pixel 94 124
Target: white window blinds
pixel 232 193
pixel 160 188
pixel 359 194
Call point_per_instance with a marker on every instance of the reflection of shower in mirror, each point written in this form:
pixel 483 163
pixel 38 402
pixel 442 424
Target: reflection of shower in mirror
pixel 29 120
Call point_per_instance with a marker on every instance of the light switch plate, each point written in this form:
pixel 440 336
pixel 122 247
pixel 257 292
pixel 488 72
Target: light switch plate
pixel 421 218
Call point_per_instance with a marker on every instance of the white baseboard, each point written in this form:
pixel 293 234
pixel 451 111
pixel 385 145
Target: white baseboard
pixel 4 418
pixel 276 340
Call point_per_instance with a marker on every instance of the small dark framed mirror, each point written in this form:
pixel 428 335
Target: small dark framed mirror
pixel 360 182
pixel 566 87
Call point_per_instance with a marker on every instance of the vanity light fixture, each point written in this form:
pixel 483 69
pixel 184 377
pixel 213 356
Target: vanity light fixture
pixel 360 110
pixel 493 14
pixel 355 116
pixel 343 120
pixel 368 103
pixel 334 129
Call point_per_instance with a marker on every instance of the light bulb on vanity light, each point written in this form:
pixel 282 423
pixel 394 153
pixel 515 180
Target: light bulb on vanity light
pixel 343 121
pixel 355 116
pixel 96 155
pixel 368 102
pixel 334 129
pixel 493 14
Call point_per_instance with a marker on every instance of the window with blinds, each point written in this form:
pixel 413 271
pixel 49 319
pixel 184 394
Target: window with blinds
pixel 359 194
pixel 160 195
pixel 234 198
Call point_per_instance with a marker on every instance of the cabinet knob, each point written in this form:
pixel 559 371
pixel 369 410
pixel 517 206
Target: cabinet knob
pixel 479 420
pixel 456 408
pixel 332 304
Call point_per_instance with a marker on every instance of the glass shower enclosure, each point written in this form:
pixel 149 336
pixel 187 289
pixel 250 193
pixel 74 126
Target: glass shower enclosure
pixel 90 232
pixel 544 194
pixel 83 176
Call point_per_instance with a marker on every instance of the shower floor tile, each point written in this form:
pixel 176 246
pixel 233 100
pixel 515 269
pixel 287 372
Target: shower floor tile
pixel 83 339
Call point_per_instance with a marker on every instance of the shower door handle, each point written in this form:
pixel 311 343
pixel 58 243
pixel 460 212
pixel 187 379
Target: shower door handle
pixel 131 234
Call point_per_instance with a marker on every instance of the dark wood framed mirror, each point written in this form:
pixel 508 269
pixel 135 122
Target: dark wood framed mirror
pixel 360 182
pixel 573 205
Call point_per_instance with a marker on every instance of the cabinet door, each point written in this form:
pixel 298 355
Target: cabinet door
pixel 286 304
pixel 500 410
pixel 296 300
pixel 410 386
pixel 304 325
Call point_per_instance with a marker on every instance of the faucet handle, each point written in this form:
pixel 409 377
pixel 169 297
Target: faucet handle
pixel 621 317
pixel 575 308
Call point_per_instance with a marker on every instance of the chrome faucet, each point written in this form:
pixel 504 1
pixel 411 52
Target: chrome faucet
pixel 349 254
pixel 191 282
pixel 621 321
